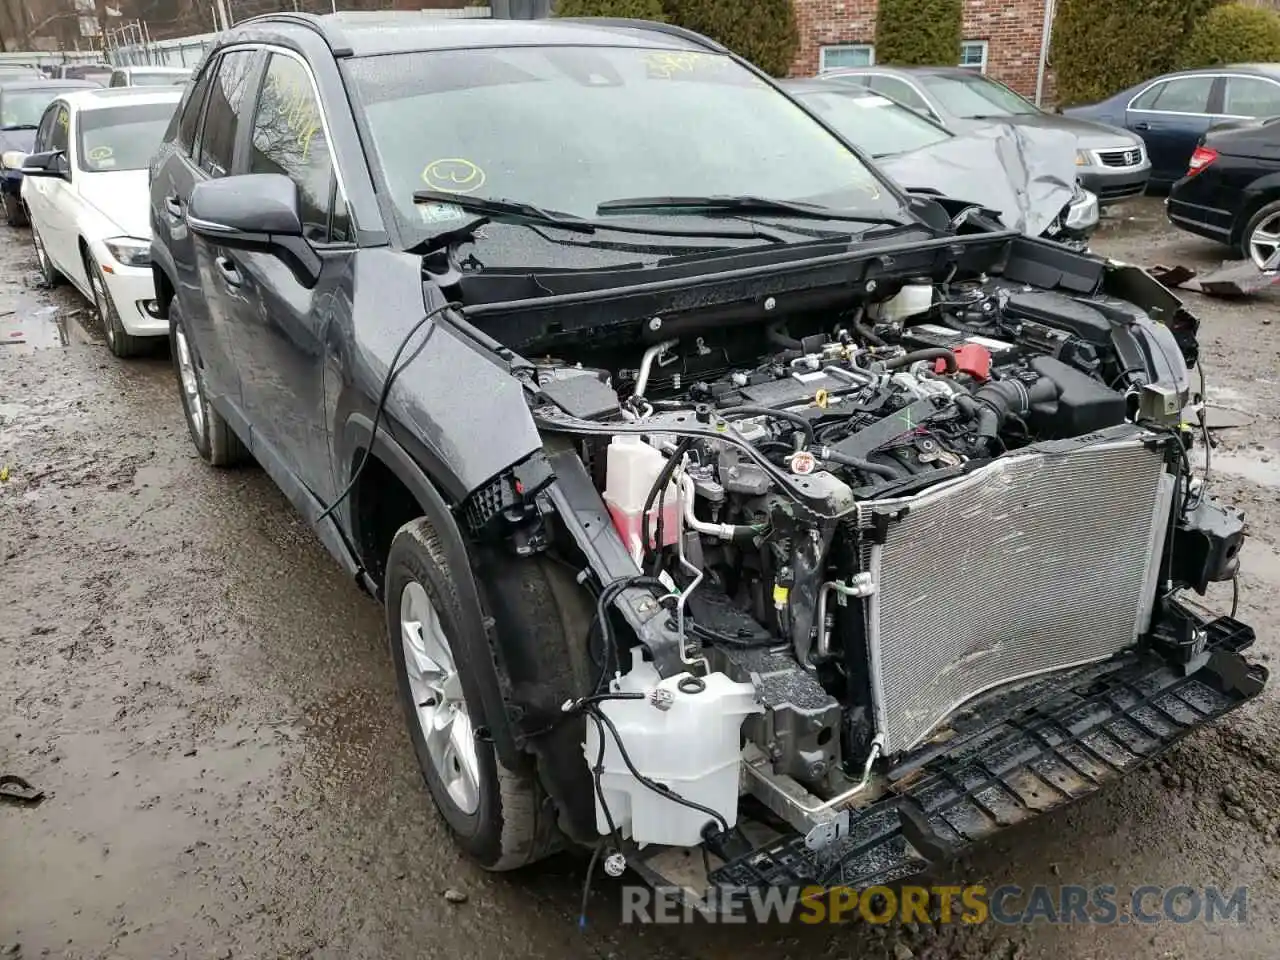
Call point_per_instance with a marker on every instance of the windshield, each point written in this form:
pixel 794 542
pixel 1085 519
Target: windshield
pixel 875 125
pixel 23 108
pixel 568 128
pixel 143 78
pixel 976 96
pixel 122 138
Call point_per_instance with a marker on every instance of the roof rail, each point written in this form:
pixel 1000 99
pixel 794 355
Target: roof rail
pixel 653 27
pixel 338 44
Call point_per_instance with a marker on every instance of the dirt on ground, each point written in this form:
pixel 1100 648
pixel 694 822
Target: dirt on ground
pixel 209 707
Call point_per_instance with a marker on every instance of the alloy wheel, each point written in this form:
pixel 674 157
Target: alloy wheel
pixel 190 385
pixel 102 304
pixel 439 705
pixel 1264 243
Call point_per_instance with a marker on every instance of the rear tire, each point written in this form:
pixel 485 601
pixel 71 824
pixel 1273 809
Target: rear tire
pixel 1261 235
pixel 119 340
pixel 15 213
pixel 500 817
pixel 216 443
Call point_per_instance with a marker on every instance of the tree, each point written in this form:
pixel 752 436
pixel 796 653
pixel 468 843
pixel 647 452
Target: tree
pixel 1101 47
pixel 1234 33
pixel 921 32
pixel 633 9
pixel 762 31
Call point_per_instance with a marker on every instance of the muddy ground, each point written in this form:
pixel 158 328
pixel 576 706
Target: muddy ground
pixel 208 704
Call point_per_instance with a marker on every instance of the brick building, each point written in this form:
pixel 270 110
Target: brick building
pixel 1001 38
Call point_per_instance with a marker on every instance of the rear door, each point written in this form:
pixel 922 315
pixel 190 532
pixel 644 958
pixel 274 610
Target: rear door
pixel 282 319
pixel 1171 116
pixel 1249 98
pixel 218 141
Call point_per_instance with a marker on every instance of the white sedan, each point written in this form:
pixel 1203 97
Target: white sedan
pixel 86 191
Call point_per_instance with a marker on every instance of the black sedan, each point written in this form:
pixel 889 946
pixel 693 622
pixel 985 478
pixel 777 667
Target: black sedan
pixel 1232 190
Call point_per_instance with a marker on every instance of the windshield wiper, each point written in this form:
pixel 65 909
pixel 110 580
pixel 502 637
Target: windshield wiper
pixel 500 207
pixel 741 204
pixel 20 126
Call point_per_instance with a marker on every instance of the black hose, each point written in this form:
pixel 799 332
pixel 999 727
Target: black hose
pixel 800 420
pixel 928 353
pixel 780 339
pixel 866 466
pixel 866 333
pixel 660 485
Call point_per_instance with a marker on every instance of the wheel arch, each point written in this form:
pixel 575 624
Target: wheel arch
pixel 368 520
pixel 1257 195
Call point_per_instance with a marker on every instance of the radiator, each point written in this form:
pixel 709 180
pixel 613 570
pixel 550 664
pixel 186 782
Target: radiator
pixel 1041 560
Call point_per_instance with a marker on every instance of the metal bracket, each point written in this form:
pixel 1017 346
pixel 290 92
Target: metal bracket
pixel 825 834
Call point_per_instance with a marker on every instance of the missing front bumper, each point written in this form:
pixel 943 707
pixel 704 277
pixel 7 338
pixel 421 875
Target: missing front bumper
pixel 1052 743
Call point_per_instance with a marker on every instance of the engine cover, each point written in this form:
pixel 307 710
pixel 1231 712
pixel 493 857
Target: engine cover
pixel 1041 560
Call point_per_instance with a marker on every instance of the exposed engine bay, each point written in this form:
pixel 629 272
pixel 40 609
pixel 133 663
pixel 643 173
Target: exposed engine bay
pixel 844 531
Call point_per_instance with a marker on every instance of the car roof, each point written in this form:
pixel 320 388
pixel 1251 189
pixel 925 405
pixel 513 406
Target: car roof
pixel 144 68
pixel 97 98
pixel 371 33
pixel 33 84
pixel 803 86
pixel 905 71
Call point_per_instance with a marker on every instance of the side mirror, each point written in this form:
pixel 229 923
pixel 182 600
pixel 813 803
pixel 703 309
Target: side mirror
pixel 254 211
pixel 50 163
pixel 13 159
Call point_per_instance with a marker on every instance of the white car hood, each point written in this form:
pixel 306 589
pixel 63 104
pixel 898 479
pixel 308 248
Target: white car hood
pixel 123 197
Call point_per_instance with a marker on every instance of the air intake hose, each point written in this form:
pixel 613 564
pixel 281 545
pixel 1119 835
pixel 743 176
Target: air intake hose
pixel 996 402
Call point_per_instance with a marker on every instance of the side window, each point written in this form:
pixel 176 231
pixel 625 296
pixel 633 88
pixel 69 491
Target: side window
pixel 60 135
pixel 189 120
pixel 1251 97
pixel 44 133
pixel 117 79
pixel 222 115
pixel 288 138
pixel 1147 98
pixel 901 91
pixel 1185 95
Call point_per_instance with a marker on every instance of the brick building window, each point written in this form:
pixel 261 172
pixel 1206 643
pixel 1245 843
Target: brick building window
pixel 973 54
pixel 847 55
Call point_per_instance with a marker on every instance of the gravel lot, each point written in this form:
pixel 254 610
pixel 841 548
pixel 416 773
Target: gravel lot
pixel 209 705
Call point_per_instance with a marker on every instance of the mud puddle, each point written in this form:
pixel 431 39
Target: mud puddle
pixel 29 321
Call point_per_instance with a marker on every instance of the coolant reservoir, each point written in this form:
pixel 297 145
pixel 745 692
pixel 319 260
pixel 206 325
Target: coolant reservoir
pixel 686 735
pixel 913 300
pixel 631 469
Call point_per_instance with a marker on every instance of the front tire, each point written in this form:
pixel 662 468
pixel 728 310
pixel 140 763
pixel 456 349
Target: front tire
pixel 500 817
pixel 119 340
pixel 48 272
pixel 215 441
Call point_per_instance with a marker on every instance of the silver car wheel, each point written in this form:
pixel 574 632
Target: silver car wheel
pixel 102 304
pixel 439 706
pixel 1264 243
pixel 190 385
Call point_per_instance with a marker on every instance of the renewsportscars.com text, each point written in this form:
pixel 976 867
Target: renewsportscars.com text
pixel 1008 905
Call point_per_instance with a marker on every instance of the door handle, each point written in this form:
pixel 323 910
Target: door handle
pixel 227 268
pixel 1142 126
pixel 174 206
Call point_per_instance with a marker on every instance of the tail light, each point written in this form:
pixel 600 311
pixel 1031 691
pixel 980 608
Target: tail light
pixel 1201 159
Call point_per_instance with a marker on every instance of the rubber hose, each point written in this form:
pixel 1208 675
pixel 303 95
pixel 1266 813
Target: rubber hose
pixel 929 353
pixel 866 466
pixel 778 338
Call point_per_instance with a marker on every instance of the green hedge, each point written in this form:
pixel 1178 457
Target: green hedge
pixel 635 9
pixel 925 32
pixel 1101 47
pixel 1234 33
pixel 762 31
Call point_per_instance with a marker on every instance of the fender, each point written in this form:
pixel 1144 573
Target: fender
pixel 480 678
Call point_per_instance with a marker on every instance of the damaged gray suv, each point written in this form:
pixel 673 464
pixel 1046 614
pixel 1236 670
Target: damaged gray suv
pixel 720 494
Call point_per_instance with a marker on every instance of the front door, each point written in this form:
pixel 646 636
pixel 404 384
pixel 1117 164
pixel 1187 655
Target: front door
pixel 284 315
pixel 1171 117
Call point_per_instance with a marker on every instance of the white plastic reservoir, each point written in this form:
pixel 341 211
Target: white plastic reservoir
pixel 693 747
